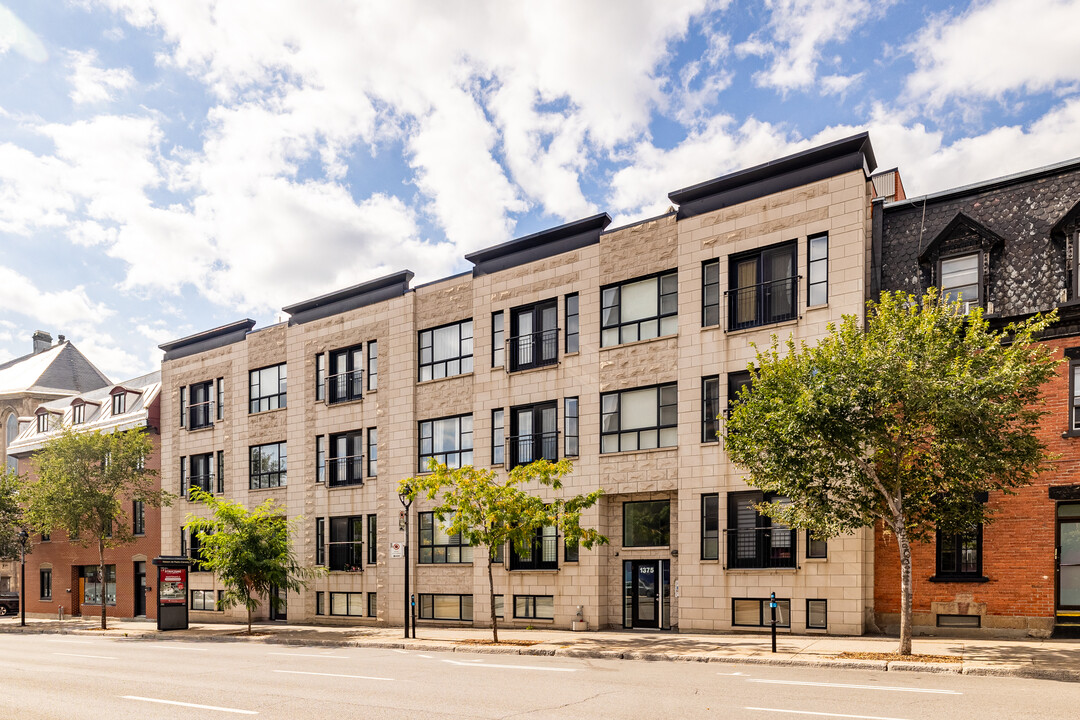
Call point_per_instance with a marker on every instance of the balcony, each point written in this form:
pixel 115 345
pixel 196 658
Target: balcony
pixel 761 548
pixel 203 482
pixel 543 554
pixel 538 446
pixel 534 350
pixel 345 386
pixel 346 556
pixel 348 470
pixel 763 304
pixel 201 415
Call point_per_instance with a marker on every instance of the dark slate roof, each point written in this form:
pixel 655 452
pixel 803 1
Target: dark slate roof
pixel 351 298
pixel 544 244
pixel 207 340
pixel 68 371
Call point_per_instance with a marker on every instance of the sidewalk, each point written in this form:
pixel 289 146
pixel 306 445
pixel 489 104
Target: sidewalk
pixel 1033 658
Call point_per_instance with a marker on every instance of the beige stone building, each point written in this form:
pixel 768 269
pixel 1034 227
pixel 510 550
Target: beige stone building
pixel 616 347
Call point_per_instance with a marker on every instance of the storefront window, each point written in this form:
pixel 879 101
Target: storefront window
pixel 92 585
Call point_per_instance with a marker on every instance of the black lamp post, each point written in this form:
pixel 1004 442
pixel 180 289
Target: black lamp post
pixel 23 538
pixel 406 502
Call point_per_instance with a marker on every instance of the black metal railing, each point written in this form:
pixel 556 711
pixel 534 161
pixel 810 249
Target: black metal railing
pixel 538 446
pixel 200 415
pixel 761 547
pixel 763 304
pixel 348 470
pixel 534 350
pixel 346 556
pixel 543 554
pixel 203 482
pixel 345 386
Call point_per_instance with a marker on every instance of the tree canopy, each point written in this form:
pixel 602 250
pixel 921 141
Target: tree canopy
pixel 11 515
pixel 908 419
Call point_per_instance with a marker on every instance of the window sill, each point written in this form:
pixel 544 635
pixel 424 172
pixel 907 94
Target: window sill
pixel 640 342
pixel 204 428
pixel 815 560
pixel 444 379
pixel 707 561
pixel 266 489
pixel 1070 434
pixel 958 579
pixel 783 323
pixel 761 571
pixel 267 412
pixel 549 571
pixel 545 621
pixel 526 371
pixel 344 572
pixel 350 401
pixel 445 564
pixel 823 306
pixel 624 453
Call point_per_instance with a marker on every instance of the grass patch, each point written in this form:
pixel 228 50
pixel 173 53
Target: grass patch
pixel 889 657
pixel 513 643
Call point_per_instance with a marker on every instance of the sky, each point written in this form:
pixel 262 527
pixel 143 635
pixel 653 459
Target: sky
pixel 168 167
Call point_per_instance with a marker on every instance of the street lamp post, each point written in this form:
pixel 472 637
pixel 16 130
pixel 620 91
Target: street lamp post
pixel 23 538
pixel 406 502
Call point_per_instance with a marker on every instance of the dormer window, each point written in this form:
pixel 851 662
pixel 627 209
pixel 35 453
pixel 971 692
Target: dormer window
pixel 43 422
pixel 960 280
pixel 78 414
pixel 119 403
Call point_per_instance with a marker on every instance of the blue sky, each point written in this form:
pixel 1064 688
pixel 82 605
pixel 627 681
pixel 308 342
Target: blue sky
pixel 167 167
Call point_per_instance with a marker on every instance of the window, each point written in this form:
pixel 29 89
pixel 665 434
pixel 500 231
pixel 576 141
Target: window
pixel 205 600
pixel 320 376
pixel 449 441
pixel 43 422
pixel 437 547
pixel 959 556
pixel 1074 393
pixel 499 606
pixel 753 541
pixel 268 465
pixel 372 605
pixel 570 424
pixel 639 310
pixel 267 389
pixel 45 537
pixel 533 435
pixel 220 408
pixel 960 280
pixel 647 523
pixel 346 381
pixel 92 590
pixel 573 325
pixel 816 548
pixel 710 527
pixel 498 437
pixel 710 293
pixel 138 518
pixel 195 552
pixel 639 419
pixel 346 459
pixel 446 351
pixel 817 614
pixel 373 452
pixel 498 339
pixel 183 407
pixel 201 475
pixel 347 603
pixel 78 414
pixel 183 541
pixel 183 475
pixel 45 583
pixel 539 607
pixel 119 403
pixel 571 551
pixel 320 602
pixel 710 409
pixel 534 335
pixel 221 471
pixel 763 287
pixel 346 544
pixel 756 612
pixel 320 541
pixel 11 431
pixel 959 621
pixel 200 410
pixel 372 539
pixel 540 554
pixel 372 366
pixel 446 607
pixel 320 458
pixel 736 381
pixel 817 265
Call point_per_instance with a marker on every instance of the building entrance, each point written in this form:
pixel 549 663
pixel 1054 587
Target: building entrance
pixel 1068 566
pixel 646 594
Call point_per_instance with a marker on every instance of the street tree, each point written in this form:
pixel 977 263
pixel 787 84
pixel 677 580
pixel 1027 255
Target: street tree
pixel 493 509
pixel 249 551
pixel 908 420
pixel 86 481
pixel 11 515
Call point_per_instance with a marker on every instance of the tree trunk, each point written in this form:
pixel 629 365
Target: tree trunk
pixel 905 589
pixel 491 591
pixel 101 577
pixel 249 619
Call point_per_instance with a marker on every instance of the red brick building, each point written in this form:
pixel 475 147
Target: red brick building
pixel 61 574
pixel 1009 246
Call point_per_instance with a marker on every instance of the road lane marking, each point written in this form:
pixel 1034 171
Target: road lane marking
pixel 733 674
pixel 190 705
pixel 857 687
pixel 821 714
pixel 71 642
pixel 177 647
pixel 402 652
pixel 357 677
pixel 98 657
pixel 343 657
pixel 426 657
pixel 510 667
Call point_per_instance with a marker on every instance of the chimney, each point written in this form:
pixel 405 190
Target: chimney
pixel 42 341
pixel 60 339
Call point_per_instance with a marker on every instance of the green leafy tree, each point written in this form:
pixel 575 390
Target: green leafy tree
pixel 905 420
pixel 11 515
pixel 86 482
pixel 248 550
pixel 492 509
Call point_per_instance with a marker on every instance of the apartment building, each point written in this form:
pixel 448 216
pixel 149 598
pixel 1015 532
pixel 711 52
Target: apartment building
pixel 63 574
pixel 1010 246
pixel 615 347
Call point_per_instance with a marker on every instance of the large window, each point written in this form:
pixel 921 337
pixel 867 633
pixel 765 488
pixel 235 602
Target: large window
pixel 817 264
pixel 533 435
pixel 446 607
pixel 959 556
pixel 710 527
pixel 266 389
pixel 347 604
pixel 92 589
pixel 647 523
pixel 757 612
pixel 960 280
pixel 542 553
pixel 346 380
pixel 437 547
pixel 710 293
pixel 268 465
pixel 346 543
pixel 448 440
pixel 346 462
pixel 446 351
pixel 201 408
pixel 639 419
pixel 201 473
pixel 45 583
pixel 753 540
pixel 539 607
pixel 639 310
pixel 763 287
pixel 534 335
pixel 206 600
pixel 710 409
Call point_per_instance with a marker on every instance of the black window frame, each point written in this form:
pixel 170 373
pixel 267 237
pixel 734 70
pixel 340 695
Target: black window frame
pixel 498 339
pixel 764 612
pixel 706 533
pixel 527 447
pixel 215 600
pixel 571 427
pixel 138 517
pixel 774 546
pixel 530 606
pixel 735 382
pixel 372 604
pixel 978 254
pixel 183 406
pixel 572 315
pixel 320 377
pixel 345 385
pixel 1074 397
pixel 372 539
pixel 277 478
pixel 571 551
pixel 637 431
pixel 320 602
pixel 461 454
pixel 200 473
pixel 811 263
pixel 320 458
pixel 195 552
pixel 119 403
pixel 219 407
pixel 220 466
pixel 611 300
pixel 373 366
pixel 825 605
pixel 78 413
pixel 625 517
pixel 346 555
pixel 350 595
pixel 812 543
pixel 763 290
pixel 463 359
pixel 539 347
pixel 710 301
pixel 710 409
pixel 273 400
pixel 345 470
pixel 498 436
pixel 427 607
pixel 320 541
pixel 957 541
pixel 432 553
pixel 201 414
pixel 545 539
pixel 373 452
pixel 45 583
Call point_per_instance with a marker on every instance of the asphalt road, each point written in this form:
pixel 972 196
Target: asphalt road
pixel 74 677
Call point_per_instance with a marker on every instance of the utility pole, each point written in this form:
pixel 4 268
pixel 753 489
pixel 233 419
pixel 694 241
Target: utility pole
pixel 23 538
pixel 403 497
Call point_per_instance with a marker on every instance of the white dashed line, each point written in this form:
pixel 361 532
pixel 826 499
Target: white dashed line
pixel 190 705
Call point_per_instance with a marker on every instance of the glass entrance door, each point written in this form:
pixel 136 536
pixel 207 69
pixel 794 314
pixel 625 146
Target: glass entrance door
pixel 278 611
pixel 140 589
pixel 1068 531
pixel 646 594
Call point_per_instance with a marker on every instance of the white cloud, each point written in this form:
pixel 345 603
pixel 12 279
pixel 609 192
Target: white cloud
pixel 93 84
pixel 16 36
pixel 20 296
pixel 111 356
pixel 994 48
pixel 839 84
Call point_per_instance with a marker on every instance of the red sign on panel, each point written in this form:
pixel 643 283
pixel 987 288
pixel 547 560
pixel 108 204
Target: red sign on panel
pixel 172 586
